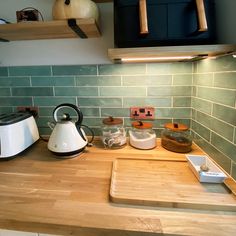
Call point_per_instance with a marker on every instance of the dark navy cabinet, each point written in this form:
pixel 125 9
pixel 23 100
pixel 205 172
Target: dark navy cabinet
pixel 169 22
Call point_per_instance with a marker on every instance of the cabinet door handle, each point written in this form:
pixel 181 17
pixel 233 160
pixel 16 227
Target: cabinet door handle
pixel 143 17
pixel 201 15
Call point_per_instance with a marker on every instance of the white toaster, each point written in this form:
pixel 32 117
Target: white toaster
pixel 17 132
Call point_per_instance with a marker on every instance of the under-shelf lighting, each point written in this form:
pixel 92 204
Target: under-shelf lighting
pixel 234 55
pixel 145 59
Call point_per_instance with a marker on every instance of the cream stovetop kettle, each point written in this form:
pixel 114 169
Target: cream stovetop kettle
pixel 68 138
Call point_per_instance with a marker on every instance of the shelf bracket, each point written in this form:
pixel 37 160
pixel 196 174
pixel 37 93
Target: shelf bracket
pixel 3 40
pixel 72 24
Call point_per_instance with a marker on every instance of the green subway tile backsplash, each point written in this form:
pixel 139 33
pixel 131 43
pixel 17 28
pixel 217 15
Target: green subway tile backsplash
pixel 170 91
pixel 123 91
pixel 38 81
pixel 75 70
pixel 14 81
pixel 100 102
pixel 226 114
pixel 122 69
pixel 223 96
pixel 146 101
pixel 201 95
pixel 98 81
pixel 29 91
pixel 5 92
pixel 3 71
pixel 16 101
pixel 29 70
pixel 203 79
pixel 182 79
pixel 76 91
pixel 147 80
pixel 53 101
pixel 225 80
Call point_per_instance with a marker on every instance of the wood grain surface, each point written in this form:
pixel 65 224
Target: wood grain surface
pixel 41 193
pixel 166 183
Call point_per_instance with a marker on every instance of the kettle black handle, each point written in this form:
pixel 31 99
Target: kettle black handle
pixel 79 113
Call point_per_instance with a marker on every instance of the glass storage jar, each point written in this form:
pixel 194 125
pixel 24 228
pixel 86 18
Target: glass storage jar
pixel 142 136
pixel 176 138
pixel 113 133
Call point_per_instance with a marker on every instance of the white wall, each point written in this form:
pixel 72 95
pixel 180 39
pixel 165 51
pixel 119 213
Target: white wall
pixel 59 51
pixel 84 51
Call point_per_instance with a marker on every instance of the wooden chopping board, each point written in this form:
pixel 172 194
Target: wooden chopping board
pixel 166 183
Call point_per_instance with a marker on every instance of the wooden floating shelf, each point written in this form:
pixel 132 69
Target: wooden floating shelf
pixel 85 28
pixel 197 51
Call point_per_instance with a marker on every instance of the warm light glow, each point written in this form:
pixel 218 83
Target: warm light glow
pixel 138 59
pixel 234 55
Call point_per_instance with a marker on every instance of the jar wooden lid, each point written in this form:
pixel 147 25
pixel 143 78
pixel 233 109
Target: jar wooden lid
pixel 141 125
pixel 112 121
pixel 176 126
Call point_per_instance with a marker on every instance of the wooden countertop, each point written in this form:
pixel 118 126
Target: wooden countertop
pixel 41 193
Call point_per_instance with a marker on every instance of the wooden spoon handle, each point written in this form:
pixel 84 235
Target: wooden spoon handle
pixel 143 17
pixel 202 22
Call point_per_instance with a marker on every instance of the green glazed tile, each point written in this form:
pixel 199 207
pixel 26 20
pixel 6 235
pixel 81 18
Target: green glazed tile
pixel 170 91
pixel 123 91
pixel 76 91
pixel 204 119
pixel 5 110
pixel 3 71
pixel 182 102
pixel 203 79
pixel 218 126
pixel 122 69
pixel 206 65
pixel 98 80
pixel 53 81
pixel 46 111
pixel 194 91
pixel 222 96
pixel 201 130
pixel 30 91
pixel 29 70
pixel 222 129
pixel 5 92
pixel 90 112
pixel 224 146
pixel 201 105
pixel 173 113
pixel 53 101
pixel 147 80
pixel 225 113
pixel 194 114
pixel 92 122
pixel 75 70
pixel 144 101
pixel 44 131
pixel 115 112
pixel 14 81
pixel 218 156
pixel 235 135
pixel 185 79
pixel 100 102
pixel 233 174
pixel 225 80
pixel 227 63
pixel 43 121
pixel 169 68
pixel 16 101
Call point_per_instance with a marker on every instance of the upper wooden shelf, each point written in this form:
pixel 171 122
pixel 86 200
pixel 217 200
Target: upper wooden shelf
pixel 84 28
